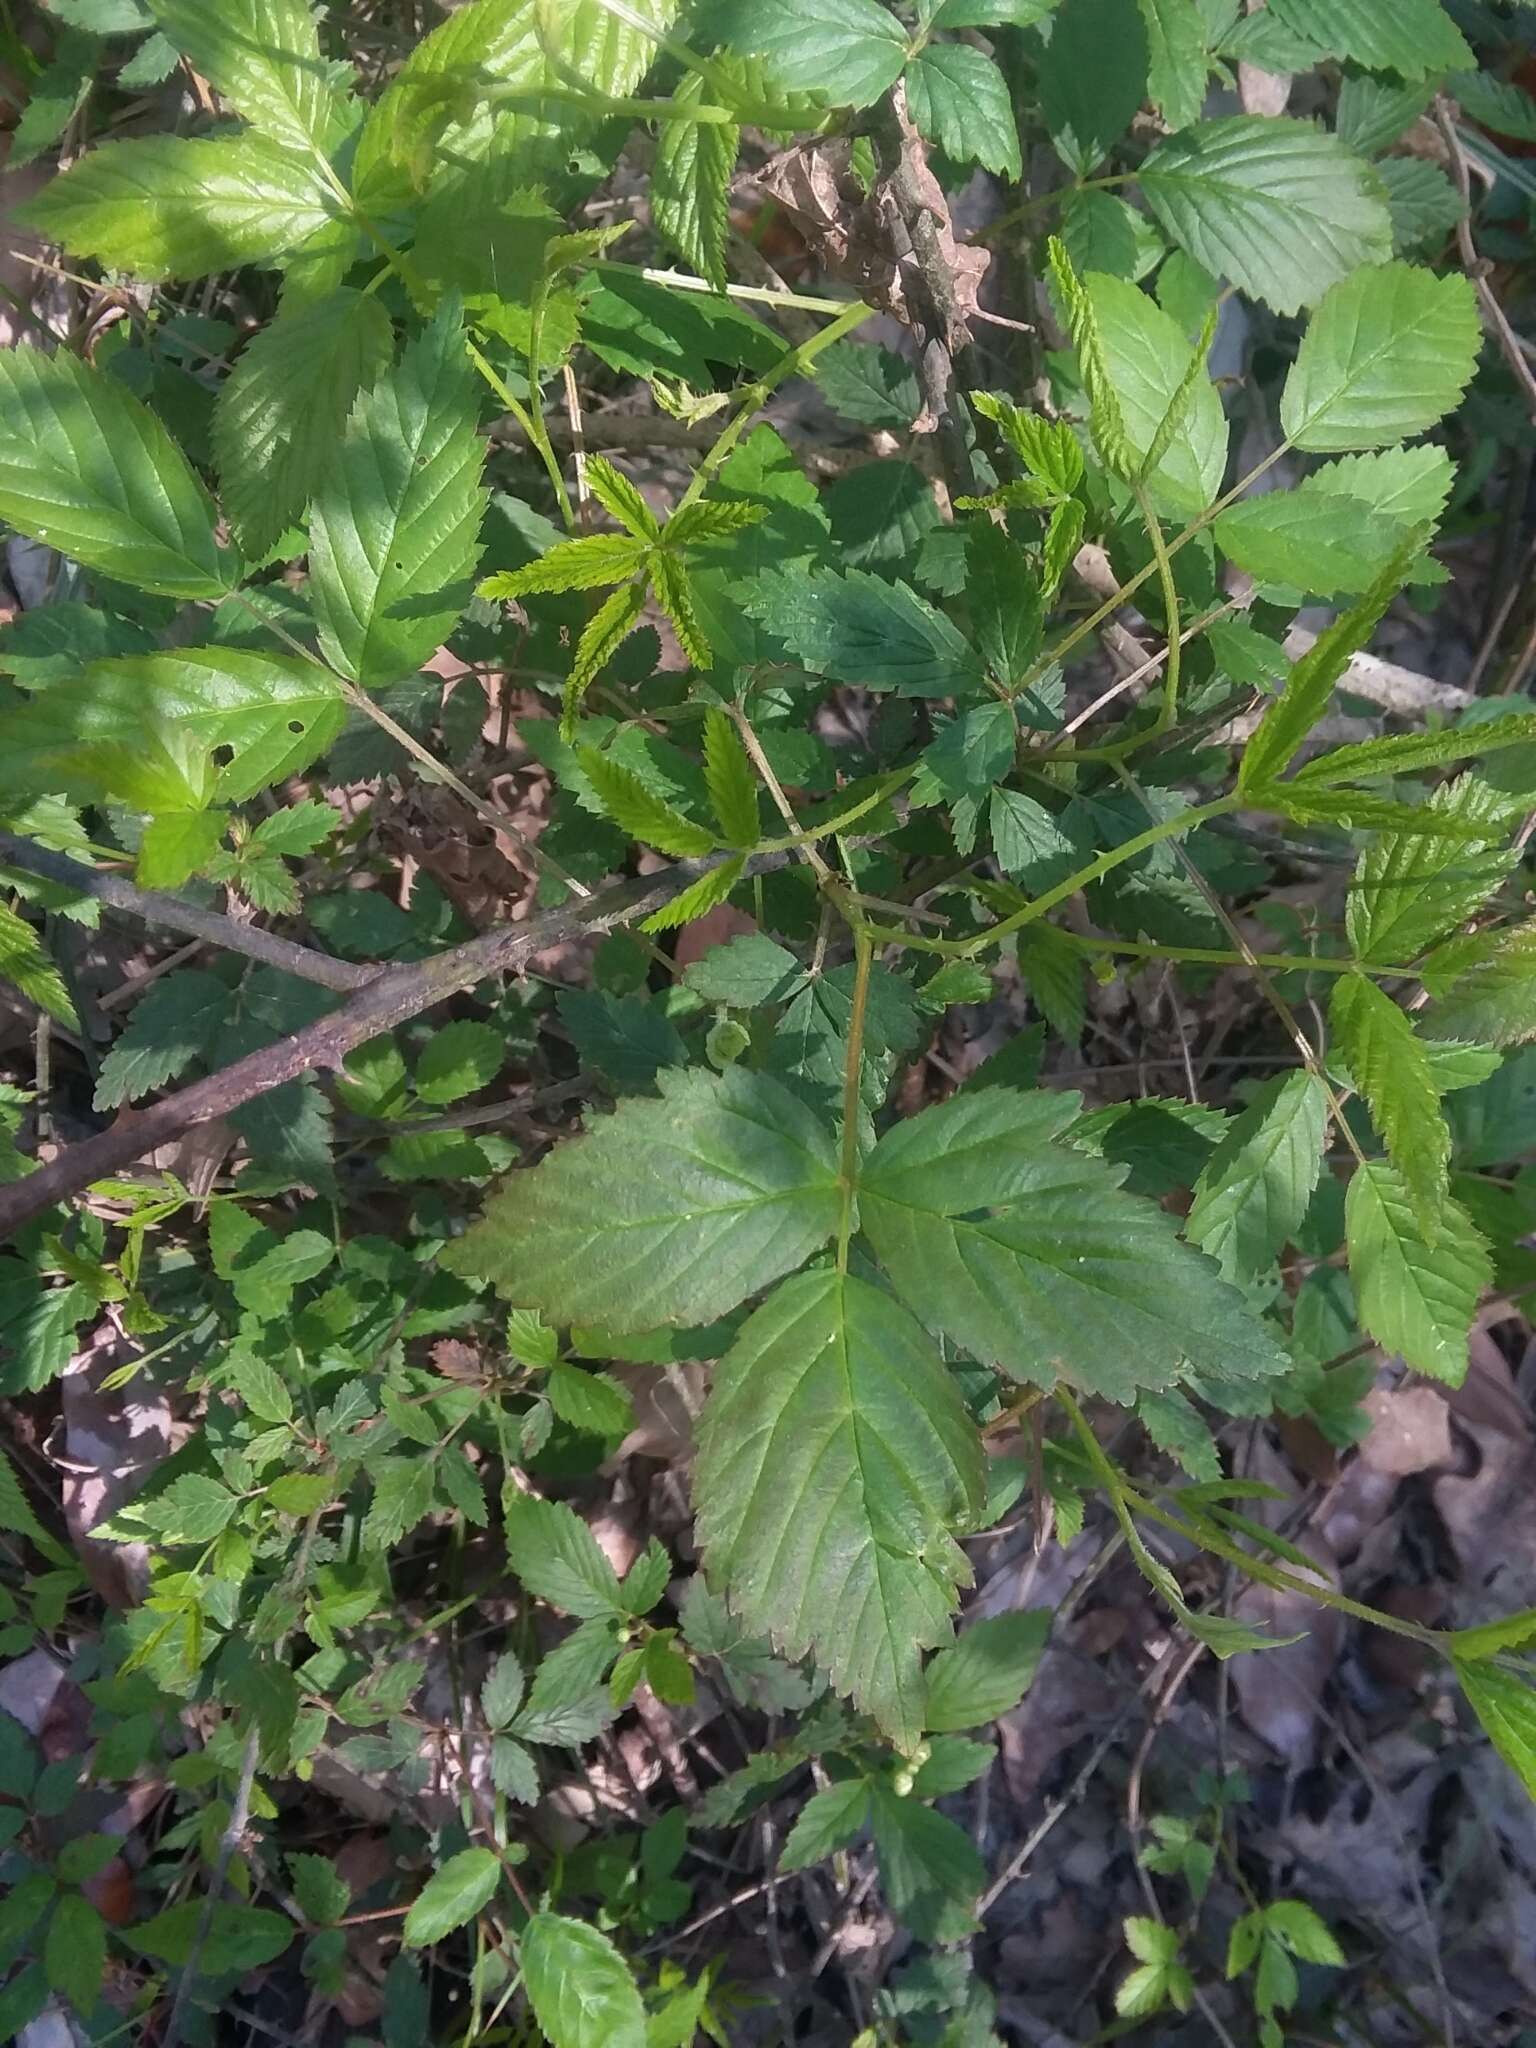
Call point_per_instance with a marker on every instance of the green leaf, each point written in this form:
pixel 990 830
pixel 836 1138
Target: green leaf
pixel 177 1020
pixel 1277 205
pixel 844 52
pixel 1176 38
pixel 24 963
pixel 1406 484
pixel 75 1954
pixel 1415 1299
pixel 639 813
pixel 557 1557
pixel 1391 1068
pixel 606 630
pixel 828 1820
pixel 1029 1255
pixel 1494 1003
pixel 178 846
pixel 1092 78
pixel 1303 1932
pixel 451 1896
pixel 872 387
pixel 959 99
pixel 164 207
pixel 1410 890
pixel 691 185
pixel 731 781
pixel 1256 1187
pixel 668 1211
pixel 860 629
pixel 1307 693
pixel 322 1892
pixel 836 1465
pixel 580 1987
pixel 87 469
pixel 458 1059
pixel 1506 1707
pixel 1318 543
pixel 56 95
pixel 1499 104
pixel 227 1940
pixel 1388 352
pixel 1414 38
pixel 1103 392
pixel 1423 202
pixel 1007 610
pixel 1148 360
pixel 279 415
pixel 17 1519
pixel 394 535
pixel 745 973
pixel 263 56
pixel 102 732
pixel 988 1671
pixel 698 898
pixel 584 564
pixel 929 1868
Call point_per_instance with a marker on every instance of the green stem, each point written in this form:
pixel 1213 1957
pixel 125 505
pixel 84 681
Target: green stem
pixel 1160 556
pixel 517 100
pixel 1215 956
pixel 758 294
pixel 848 1168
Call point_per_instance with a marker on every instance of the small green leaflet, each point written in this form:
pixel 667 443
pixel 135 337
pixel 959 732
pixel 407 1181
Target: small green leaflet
pixel 1255 1189
pixel 1322 544
pixel 828 1820
pixel 1494 1003
pixel 731 781
pixel 395 532
pixel 24 964
pixel 451 1896
pixel 669 1211
pixel 557 1557
pixel 1176 37
pixel 89 470
pixel 1388 352
pixel 1082 320
pixel 959 99
pixel 1277 205
pixel 1391 1067
pixel 691 182
pixel 1506 1707
pixel 987 1672
pixel 929 1867
pixel 1030 1256
pixel 844 52
pixel 836 1466
pixel 579 1986
pixel 638 812
pixel 857 628
pixel 1415 1299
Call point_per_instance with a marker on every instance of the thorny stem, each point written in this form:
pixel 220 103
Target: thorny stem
pixel 848 1168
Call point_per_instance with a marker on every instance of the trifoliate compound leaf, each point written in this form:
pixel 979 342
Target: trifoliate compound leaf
pixel 1277 205
pixel 1255 1189
pixel 836 1466
pixel 1030 1255
pixel 1387 353
pixel 668 1211
pixel 1415 1299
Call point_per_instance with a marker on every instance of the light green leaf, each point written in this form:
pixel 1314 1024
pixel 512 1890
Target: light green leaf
pixel 860 629
pixel 1176 38
pixel 165 207
pixel 959 99
pixel 1506 1707
pixel 731 781
pixel 584 564
pixel 669 1211
pixel 1406 753
pixel 56 95
pixel 1387 353
pixel 177 846
pixel 1028 1253
pixel 1410 485
pixel 1255 1189
pixel 836 1465
pixel 457 1059
pixel 1311 684
pixel 95 731
pixel 580 1987
pixel 828 1820
pixel 396 523
pixel 1320 543
pixel 451 1896
pixel 557 1557
pixel 87 469
pixel 1082 322
pixel 639 813
pixel 1415 1299
pixel 1414 38
pixel 1389 1065
pixel 844 52
pixel 606 631
pixel 279 415
pixel 691 185
pixel 987 1672
pixel 712 887
pixel 26 966
pixel 1148 360
pixel 1277 205
pixel 1495 1002
pixel 263 56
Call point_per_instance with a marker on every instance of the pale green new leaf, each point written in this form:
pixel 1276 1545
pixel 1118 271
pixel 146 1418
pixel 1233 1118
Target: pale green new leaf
pixel 1277 205
pixel 279 415
pixel 1414 38
pixel 1151 367
pixel 1506 1707
pixel 845 52
pixel 1391 1068
pixel 621 499
pixel 1411 890
pixel 263 56
pixel 858 628
pixel 731 780
pixel 1082 320
pixel 97 732
pixel 668 1211
pixel 89 470
pixel 637 811
pixel 1415 1299
pixel 164 207
pixel 1176 39
pixel 836 1466
pixel 691 185
pixel 451 1896
pixel 1255 1188
pixel 1030 1255
pixel 579 1986
pixel 605 632
pixel 394 535
pixel 1495 1002
pixel 584 564
pixel 1312 680
pixel 711 888
pixel 1406 753
pixel 1388 353
pixel 26 966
